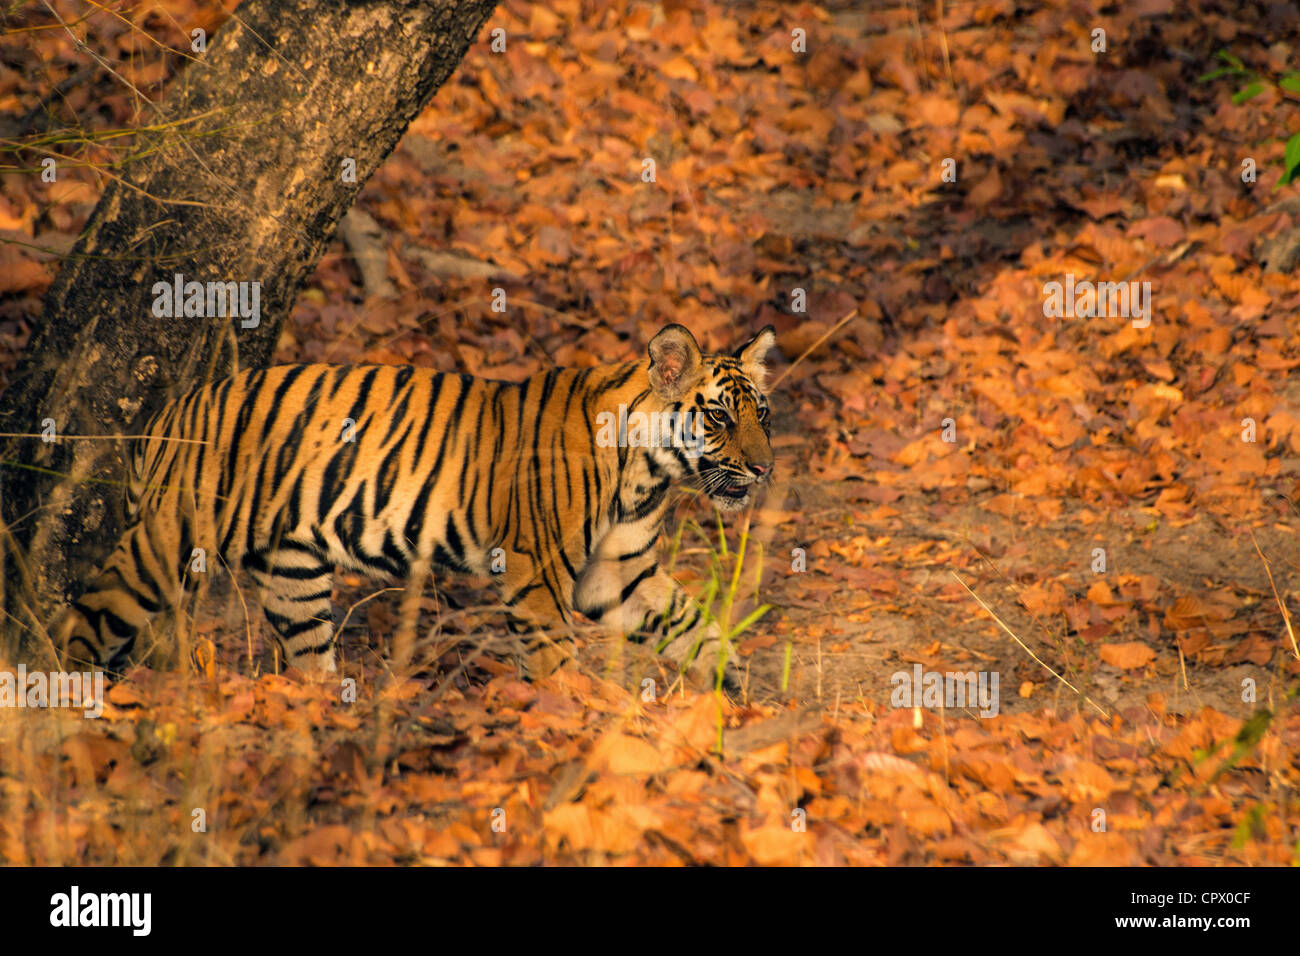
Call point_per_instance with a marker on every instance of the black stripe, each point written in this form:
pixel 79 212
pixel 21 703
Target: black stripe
pixel 277 400
pixel 632 585
pixel 386 480
pixel 292 573
pixel 399 413
pixel 640 551
pixel 334 479
pixel 288 628
pixel 428 418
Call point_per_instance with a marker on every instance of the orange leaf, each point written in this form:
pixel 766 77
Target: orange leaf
pixel 679 68
pixel 1127 656
pixel 774 845
pixel 621 754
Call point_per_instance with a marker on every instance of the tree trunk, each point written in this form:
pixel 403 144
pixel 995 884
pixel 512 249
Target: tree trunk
pixel 246 184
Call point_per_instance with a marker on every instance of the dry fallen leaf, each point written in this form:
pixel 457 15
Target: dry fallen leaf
pixel 1127 656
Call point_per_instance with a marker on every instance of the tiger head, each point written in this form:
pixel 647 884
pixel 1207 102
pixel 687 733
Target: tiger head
pixel 725 445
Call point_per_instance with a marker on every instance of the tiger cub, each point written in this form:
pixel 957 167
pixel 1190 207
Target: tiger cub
pixel 559 483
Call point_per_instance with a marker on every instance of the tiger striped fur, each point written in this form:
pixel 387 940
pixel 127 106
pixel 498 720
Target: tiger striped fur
pixel 443 466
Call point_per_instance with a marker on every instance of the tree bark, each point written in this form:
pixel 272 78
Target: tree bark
pixel 246 183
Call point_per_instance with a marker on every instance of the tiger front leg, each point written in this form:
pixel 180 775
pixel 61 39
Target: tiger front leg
pixel 539 614
pixel 633 598
pixel 295 582
pixel 695 644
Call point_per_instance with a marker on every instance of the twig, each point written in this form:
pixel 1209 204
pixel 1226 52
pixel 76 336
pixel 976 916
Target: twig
pixel 943 41
pixel 1026 648
pixel 806 352
pixel 364 238
pixel 1286 616
pixel 356 604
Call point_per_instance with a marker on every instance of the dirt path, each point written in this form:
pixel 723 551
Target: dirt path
pixel 902 605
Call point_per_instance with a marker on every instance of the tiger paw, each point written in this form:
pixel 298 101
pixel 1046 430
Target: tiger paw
pixel 703 673
pixel 698 658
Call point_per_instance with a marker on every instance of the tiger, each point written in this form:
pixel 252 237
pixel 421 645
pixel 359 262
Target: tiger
pixel 547 484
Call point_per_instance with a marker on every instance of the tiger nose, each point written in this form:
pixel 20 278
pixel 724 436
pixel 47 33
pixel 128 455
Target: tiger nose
pixel 760 470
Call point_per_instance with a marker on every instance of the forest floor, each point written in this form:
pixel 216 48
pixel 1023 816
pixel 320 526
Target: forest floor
pixel 1097 511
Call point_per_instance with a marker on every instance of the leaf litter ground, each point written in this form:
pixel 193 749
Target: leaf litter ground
pixel 778 171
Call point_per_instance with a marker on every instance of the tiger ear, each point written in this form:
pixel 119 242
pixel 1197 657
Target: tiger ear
pixel 752 354
pixel 675 362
